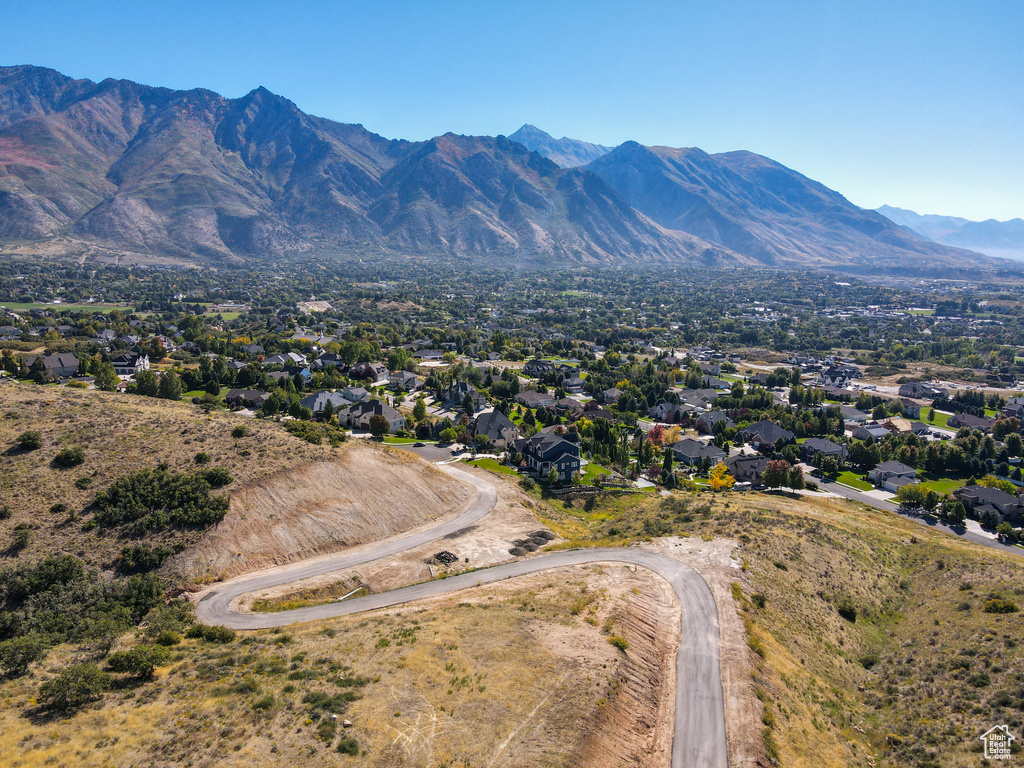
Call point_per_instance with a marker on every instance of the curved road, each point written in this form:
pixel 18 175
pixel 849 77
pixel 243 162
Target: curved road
pixel 699 736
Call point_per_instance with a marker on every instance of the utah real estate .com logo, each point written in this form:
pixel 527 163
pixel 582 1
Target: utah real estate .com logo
pixel 997 742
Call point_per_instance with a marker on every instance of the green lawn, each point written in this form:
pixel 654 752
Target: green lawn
pixel 494 466
pixel 854 481
pixel 406 441
pixel 942 485
pixel 592 470
pixel 941 417
pixel 15 305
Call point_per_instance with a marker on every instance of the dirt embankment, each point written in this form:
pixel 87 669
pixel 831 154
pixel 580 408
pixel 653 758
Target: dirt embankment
pixel 367 494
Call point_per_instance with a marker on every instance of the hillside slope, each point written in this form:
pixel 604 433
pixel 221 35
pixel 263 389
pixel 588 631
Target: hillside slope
pixel 1003 239
pixel 566 152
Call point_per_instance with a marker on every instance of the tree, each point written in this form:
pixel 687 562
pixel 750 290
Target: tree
pixel 795 480
pixel 448 435
pixel 419 411
pixel 146 384
pixel 1014 444
pixel 105 377
pixel 931 415
pixel 952 509
pixel 213 388
pixel 776 473
pixel 74 687
pixel 829 466
pixel 467 404
pixel 667 475
pixel 720 479
pixel 552 477
pixel 170 386
pixel 379 426
pixel 30 440
pixel 17 653
pixel 910 496
pixel 656 435
pixel 140 661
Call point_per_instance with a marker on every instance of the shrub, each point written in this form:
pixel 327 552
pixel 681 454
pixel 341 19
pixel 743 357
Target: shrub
pixel 848 612
pixel 21 537
pixel 57 508
pixel 157 499
pixel 73 688
pixel 168 638
pixel 528 483
pixel 221 635
pixel 239 431
pixel 868 661
pixel 267 702
pixel 139 558
pixel 30 440
pixel 325 730
pixel 999 605
pixel 618 641
pixel 83 482
pixel 140 661
pixel 202 458
pixel 17 653
pixel 348 746
pixel 69 457
pixel 5 512
pixel 758 600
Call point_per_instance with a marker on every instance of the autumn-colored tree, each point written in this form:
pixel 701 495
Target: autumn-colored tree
pixel 776 473
pixel 720 479
pixel 656 434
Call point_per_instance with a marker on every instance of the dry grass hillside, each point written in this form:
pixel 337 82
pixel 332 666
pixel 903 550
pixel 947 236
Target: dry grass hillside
pixel 366 494
pixel 514 674
pixel 119 434
pixel 868 635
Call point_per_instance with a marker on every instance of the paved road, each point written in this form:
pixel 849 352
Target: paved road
pixel 929 521
pixel 699 736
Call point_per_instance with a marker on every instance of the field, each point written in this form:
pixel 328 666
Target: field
pixel 20 305
pixel 854 480
pixel 942 485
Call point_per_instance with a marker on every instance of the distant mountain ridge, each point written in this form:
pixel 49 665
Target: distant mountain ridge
pixel 140 170
pixel 566 152
pixel 1002 239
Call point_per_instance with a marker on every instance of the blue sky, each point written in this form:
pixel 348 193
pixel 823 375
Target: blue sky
pixel 915 104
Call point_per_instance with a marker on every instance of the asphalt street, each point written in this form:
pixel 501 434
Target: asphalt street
pixel 699 735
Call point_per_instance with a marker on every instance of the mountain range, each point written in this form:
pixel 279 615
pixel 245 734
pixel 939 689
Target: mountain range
pixel 138 170
pixel 1003 239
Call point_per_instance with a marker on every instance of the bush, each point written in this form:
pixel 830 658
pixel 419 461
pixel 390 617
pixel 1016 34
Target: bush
pixel 848 612
pixel 267 702
pixel 5 512
pixel 868 661
pixel 348 746
pixel 238 432
pixel 528 483
pixel 30 440
pixel 57 508
pixel 21 538
pixel 73 688
pixel 140 558
pixel 202 458
pixel 618 641
pixel 158 499
pixel 17 653
pixel 167 638
pixel 221 635
pixel 83 482
pixel 758 600
pixel 140 661
pixel 999 605
pixel 69 457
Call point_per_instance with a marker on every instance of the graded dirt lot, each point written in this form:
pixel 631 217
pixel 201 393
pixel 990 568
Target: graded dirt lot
pixel 367 493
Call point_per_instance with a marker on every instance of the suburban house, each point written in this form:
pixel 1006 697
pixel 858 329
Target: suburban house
pixel 573 384
pixel 892 475
pixel 375 373
pixel 252 350
pixel 405 381
pixel 456 394
pixel 852 416
pixel 328 360
pixel 691 452
pixel 532 399
pixel 1014 407
pixel 713 382
pixel 358 416
pixel 706 421
pixel 544 451
pixel 870 432
pixel 609 396
pixel 317 401
pixel 920 389
pixel 766 433
pixel 816 445
pixel 288 358
pixel 55 365
pixel 247 398
pixel 567 406
pixel 428 354
pixel 747 468
pixel 538 368
pixel 979 498
pixel 355 394
pixel 130 363
pixel 497 428
pixel 911 408
pixel 958 420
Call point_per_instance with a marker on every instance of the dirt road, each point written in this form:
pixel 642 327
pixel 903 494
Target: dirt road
pixel 699 739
